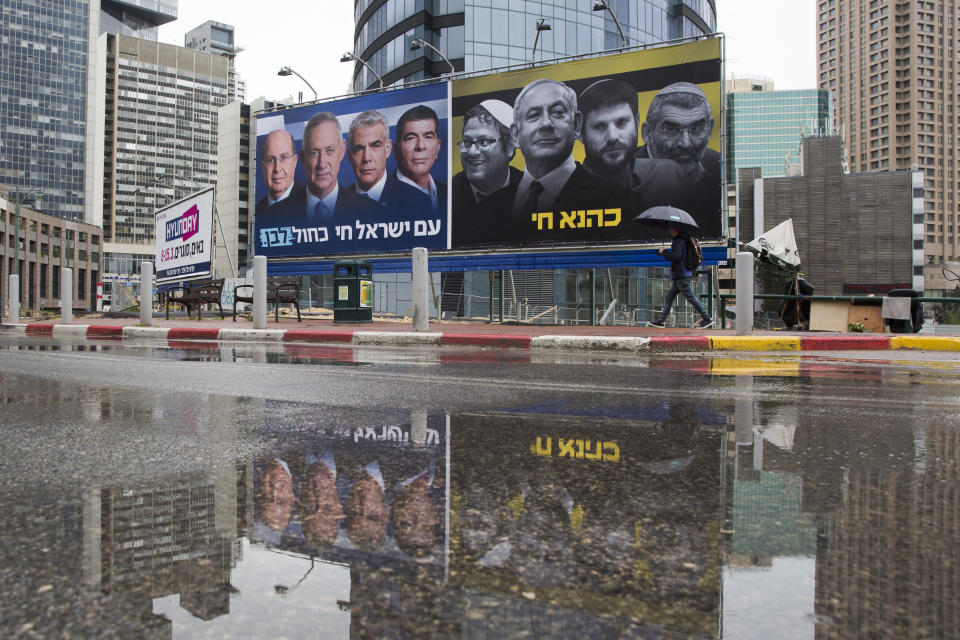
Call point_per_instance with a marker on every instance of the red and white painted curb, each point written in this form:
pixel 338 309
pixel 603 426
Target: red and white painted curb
pixel 575 343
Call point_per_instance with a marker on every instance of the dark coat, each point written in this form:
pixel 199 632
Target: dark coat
pixel 702 199
pixel 400 200
pixel 350 205
pixel 488 222
pixel 262 209
pixel 582 191
pixel 675 254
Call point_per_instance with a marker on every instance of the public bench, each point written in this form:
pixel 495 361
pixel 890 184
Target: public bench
pixel 279 291
pixel 196 293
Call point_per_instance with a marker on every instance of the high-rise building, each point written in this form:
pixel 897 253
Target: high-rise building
pixel 765 127
pixel 476 35
pixel 48 93
pixel 891 66
pixel 216 37
pixel 160 138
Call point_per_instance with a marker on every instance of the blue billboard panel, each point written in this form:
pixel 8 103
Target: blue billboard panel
pixel 360 175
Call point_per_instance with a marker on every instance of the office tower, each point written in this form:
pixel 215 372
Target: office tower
pixel 476 35
pixel 160 138
pixel 216 37
pixel 764 127
pixel 48 93
pixel 891 66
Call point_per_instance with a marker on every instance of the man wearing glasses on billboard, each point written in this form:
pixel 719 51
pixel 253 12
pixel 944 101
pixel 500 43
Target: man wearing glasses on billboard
pixel 675 165
pixel 483 191
pixel 546 123
pixel 368 149
pixel 278 157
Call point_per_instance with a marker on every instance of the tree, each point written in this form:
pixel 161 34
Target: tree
pixel 948 312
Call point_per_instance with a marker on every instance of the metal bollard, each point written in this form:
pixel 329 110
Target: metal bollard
pixel 146 294
pixel 13 302
pixel 259 292
pixel 66 296
pixel 421 306
pixel 744 293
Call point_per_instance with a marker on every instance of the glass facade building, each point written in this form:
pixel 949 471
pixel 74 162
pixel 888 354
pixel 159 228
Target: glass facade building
pixel 48 78
pixel 764 128
pixel 476 35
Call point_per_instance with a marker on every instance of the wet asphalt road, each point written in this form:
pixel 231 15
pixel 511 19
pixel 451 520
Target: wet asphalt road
pixel 205 491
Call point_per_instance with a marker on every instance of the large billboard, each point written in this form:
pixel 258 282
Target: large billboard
pixel 562 155
pixel 571 153
pixel 359 175
pixel 183 236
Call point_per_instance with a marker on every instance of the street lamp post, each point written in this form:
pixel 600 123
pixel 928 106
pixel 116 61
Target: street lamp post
pixel 604 5
pixel 418 43
pixel 542 25
pixel 348 57
pixel 287 71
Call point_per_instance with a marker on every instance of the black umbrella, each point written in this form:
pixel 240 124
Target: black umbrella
pixel 666 217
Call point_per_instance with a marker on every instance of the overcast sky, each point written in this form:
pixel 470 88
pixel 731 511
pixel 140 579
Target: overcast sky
pixel 774 39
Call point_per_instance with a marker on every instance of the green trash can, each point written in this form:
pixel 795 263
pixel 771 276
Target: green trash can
pixel 352 292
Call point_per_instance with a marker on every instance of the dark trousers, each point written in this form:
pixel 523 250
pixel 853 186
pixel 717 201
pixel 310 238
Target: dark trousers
pixel 684 286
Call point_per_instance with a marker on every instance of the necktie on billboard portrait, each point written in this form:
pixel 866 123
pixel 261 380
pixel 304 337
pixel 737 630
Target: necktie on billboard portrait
pixel 321 211
pixel 530 206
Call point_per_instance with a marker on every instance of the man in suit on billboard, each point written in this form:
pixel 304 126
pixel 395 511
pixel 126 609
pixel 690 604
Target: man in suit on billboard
pixel 278 158
pixel 546 123
pixel 368 148
pixel 323 201
pixel 483 191
pixel 418 144
pixel 674 165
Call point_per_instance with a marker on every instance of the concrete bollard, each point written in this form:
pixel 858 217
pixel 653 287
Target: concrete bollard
pixel 146 294
pixel 66 296
pixel 418 426
pixel 421 305
pixel 13 299
pixel 744 293
pixel 259 292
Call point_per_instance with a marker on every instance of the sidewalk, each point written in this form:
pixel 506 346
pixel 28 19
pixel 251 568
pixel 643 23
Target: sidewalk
pixel 453 333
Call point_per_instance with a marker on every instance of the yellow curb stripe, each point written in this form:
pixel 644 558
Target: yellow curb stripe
pixel 733 367
pixel 930 343
pixel 754 343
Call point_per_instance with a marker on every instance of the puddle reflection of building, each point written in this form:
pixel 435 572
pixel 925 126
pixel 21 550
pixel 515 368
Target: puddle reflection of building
pixel 870 501
pixel 176 536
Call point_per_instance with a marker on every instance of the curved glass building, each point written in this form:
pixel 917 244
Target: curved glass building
pixel 476 35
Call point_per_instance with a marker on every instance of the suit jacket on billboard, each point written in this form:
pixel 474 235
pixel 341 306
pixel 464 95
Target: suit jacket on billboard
pixel 488 222
pixel 401 200
pixel 261 208
pixel 350 204
pixel 583 191
pixel 663 182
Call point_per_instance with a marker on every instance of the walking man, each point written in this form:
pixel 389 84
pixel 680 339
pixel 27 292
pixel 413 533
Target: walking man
pixel 681 281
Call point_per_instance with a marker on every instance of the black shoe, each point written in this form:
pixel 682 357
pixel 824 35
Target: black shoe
pixel 703 323
pixel 657 324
